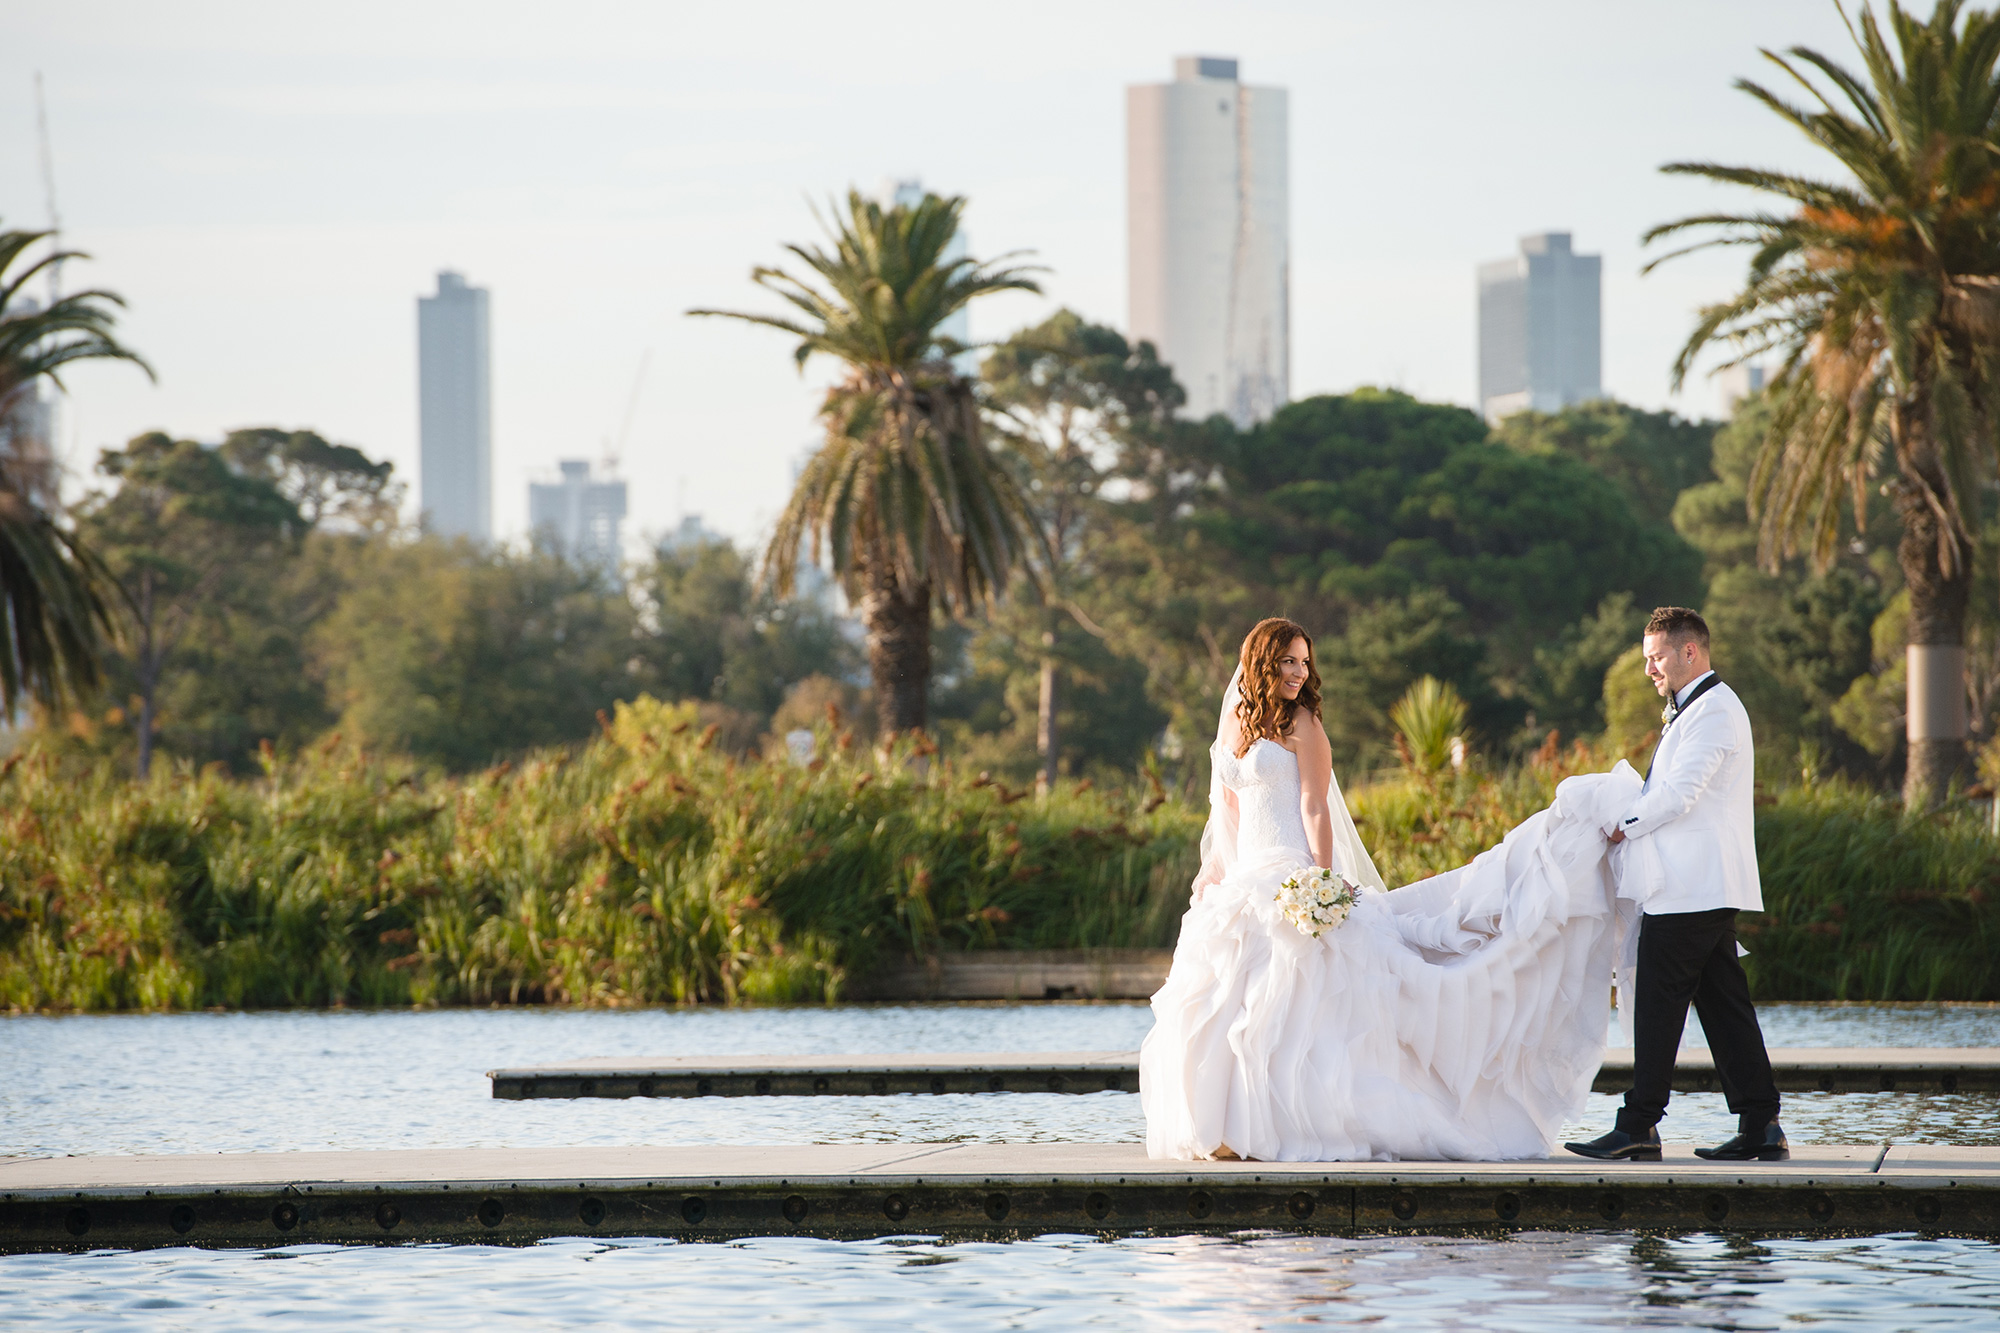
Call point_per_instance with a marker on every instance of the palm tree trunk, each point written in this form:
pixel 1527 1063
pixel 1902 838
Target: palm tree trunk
pixel 1936 726
pixel 898 625
pixel 1047 743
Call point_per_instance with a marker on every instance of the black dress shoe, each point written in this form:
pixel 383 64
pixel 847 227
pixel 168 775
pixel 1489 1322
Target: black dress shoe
pixel 1763 1145
pixel 1618 1146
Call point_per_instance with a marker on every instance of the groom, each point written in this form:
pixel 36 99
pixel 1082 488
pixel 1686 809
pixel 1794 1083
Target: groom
pixel 1697 806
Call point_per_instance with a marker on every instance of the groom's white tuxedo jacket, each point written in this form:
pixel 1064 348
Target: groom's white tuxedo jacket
pixel 1691 839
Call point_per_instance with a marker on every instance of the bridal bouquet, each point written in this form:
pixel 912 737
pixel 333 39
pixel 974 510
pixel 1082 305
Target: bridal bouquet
pixel 1316 899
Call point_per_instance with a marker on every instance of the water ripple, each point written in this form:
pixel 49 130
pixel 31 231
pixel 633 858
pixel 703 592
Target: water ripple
pixel 1532 1282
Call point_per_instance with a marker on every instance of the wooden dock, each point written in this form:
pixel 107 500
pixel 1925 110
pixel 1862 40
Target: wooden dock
pixel 1833 1069
pixel 515 1196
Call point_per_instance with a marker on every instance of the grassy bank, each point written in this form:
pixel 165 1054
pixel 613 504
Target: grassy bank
pixel 1861 901
pixel 647 867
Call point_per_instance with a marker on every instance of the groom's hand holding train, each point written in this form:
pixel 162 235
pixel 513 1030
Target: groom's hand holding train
pixel 1697 807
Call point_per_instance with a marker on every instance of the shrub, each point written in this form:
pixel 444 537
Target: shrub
pixel 648 866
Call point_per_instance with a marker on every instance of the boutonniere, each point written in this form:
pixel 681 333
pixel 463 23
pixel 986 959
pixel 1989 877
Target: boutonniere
pixel 1668 713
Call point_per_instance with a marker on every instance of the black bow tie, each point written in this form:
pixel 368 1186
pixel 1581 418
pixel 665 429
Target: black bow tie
pixel 1675 708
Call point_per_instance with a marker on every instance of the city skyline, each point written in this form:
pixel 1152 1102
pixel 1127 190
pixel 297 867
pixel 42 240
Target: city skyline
pixel 268 188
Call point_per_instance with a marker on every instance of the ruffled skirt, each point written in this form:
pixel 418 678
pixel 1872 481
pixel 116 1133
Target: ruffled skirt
pixel 1460 1018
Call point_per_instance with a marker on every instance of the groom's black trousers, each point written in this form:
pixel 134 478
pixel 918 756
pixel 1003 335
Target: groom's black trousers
pixel 1691 956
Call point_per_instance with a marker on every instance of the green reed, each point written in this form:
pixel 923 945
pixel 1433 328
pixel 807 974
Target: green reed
pixel 645 867
pixel 648 867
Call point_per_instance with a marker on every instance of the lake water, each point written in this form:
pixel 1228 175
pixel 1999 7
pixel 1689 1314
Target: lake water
pixel 292 1080
pixel 274 1081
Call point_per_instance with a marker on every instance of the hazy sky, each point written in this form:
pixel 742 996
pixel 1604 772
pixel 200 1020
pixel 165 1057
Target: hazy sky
pixel 271 187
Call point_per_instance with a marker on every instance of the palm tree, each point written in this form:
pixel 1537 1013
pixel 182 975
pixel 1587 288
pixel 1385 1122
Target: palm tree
pixel 1880 296
pixel 55 597
pixel 905 499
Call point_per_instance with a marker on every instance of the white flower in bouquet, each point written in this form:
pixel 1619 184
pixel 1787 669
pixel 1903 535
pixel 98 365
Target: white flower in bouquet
pixel 1316 899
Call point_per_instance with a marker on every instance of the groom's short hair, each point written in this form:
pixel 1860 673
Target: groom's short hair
pixel 1679 625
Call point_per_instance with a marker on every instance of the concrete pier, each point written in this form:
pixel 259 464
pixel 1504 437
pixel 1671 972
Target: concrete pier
pixel 1833 1069
pixel 514 1196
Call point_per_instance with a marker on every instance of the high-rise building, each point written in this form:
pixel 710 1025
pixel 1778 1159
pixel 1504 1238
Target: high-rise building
pixel 1540 328
pixel 455 410
pixel 691 534
pixel 583 513
pixel 28 431
pixel 1737 383
pixel 1209 235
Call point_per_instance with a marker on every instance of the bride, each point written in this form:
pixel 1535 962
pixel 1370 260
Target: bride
pixel 1462 1017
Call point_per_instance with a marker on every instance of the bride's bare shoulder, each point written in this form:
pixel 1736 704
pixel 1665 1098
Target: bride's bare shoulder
pixel 1307 734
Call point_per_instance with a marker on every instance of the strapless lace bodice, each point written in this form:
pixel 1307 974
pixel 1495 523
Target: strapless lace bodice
pixel 1266 782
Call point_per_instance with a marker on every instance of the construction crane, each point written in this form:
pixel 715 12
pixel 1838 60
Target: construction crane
pixel 49 188
pixel 613 452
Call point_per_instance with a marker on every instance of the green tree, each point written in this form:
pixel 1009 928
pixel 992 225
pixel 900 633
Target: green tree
pixel 713 635
pixel 331 485
pixel 1566 685
pixel 458 654
pixel 1791 641
pixel 1374 495
pixel 183 532
pixel 1341 508
pixel 987 702
pixel 905 500
pixel 247 674
pixel 1651 456
pixel 1632 708
pixel 1880 295
pixel 1385 648
pixel 55 596
pixel 1067 395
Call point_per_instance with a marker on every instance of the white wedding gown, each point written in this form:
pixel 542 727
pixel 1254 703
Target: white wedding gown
pixel 1461 1018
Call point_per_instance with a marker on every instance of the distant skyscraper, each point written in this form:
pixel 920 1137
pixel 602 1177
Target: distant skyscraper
pixel 582 513
pixel 28 431
pixel 455 412
pixel 1737 383
pixel 1540 339
pixel 690 535
pixel 1209 244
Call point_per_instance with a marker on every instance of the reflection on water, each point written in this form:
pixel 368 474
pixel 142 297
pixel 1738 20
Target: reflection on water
pixel 1534 1281
pixel 275 1081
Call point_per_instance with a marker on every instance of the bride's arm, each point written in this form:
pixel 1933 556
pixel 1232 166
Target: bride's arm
pixel 1315 778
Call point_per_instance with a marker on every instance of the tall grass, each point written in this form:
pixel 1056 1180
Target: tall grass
pixel 645 867
pixel 649 867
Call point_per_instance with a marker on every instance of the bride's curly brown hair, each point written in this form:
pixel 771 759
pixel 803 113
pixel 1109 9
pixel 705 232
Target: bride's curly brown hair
pixel 1264 711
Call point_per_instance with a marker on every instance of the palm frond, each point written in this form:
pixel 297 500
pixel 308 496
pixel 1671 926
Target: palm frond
pixel 1877 292
pixel 56 598
pixel 55 609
